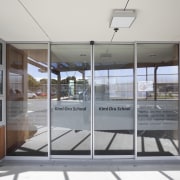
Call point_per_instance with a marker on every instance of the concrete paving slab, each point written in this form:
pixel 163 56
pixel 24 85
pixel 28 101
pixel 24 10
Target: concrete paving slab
pixel 90 170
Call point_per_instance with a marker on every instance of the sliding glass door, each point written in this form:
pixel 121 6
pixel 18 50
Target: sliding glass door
pixel 114 100
pixel 77 128
pixel 71 100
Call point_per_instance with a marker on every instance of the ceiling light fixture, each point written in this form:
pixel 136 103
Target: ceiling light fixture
pixel 122 18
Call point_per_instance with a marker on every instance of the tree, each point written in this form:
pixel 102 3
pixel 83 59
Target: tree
pixel 32 83
pixel 43 81
pixel 53 81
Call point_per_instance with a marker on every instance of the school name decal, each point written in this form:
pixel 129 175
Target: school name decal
pixel 110 108
pixel 66 108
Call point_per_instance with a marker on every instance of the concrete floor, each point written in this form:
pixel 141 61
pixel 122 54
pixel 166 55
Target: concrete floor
pixel 71 141
pixel 89 170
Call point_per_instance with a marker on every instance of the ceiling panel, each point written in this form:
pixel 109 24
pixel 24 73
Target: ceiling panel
pixel 85 20
pixel 16 24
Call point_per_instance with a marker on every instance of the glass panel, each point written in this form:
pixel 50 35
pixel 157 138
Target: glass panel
pixel 114 109
pixel 1 82
pixel 27 99
pixel 1 53
pixel 70 100
pixel 158 99
pixel 1 111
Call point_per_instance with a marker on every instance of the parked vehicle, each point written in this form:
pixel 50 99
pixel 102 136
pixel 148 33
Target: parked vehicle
pixel 31 95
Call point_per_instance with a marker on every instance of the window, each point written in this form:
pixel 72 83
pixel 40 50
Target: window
pixel 158 100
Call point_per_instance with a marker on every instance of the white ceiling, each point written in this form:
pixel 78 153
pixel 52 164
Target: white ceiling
pixel 85 20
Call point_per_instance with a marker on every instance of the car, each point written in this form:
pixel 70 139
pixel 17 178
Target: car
pixel 31 95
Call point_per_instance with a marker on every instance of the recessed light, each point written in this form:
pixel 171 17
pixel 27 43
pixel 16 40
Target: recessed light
pixel 122 18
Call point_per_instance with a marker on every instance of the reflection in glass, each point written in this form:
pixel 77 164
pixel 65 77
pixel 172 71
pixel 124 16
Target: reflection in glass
pixel 27 100
pixel 0 53
pixel 0 110
pixel 70 100
pixel 1 82
pixel 114 110
pixel 158 99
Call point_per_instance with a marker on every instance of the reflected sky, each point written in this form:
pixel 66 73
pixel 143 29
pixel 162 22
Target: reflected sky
pixel 34 71
pixel 165 74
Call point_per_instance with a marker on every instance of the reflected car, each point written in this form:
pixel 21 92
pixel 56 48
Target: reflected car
pixel 43 94
pixel 40 93
pixel 31 95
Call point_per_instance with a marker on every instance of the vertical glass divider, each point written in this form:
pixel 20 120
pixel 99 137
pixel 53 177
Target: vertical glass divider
pixel 135 100
pixel 49 103
pixel 4 88
pixel 179 101
pixel 92 100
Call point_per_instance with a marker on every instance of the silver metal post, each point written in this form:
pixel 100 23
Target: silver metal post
pixel 135 100
pixel 49 103
pixel 92 100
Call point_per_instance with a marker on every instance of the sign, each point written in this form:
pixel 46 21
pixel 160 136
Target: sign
pixel 115 115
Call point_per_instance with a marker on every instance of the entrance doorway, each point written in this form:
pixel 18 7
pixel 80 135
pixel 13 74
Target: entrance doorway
pixel 92 100
pixel 104 100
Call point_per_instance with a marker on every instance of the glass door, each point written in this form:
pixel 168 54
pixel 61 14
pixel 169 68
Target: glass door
pixel 114 100
pixel 71 100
